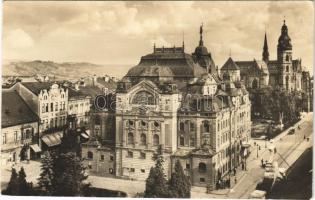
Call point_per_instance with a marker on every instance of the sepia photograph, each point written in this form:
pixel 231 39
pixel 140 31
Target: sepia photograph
pixel 157 99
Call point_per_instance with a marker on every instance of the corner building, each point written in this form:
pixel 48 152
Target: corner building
pixel 178 102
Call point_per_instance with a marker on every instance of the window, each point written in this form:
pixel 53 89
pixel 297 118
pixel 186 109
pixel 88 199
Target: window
pixel 46 107
pixel 111 158
pixel 206 127
pixel 142 155
pixel 43 108
pixel 130 138
pixel 15 136
pixel 192 126
pixel 130 154
pixel 192 141
pixel 90 155
pixel 143 139
pixel 143 123
pixel 102 157
pixel 27 134
pixel 187 166
pixel 111 171
pixel 130 123
pixel 156 140
pixel 202 167
pixel 202 180
pixel 4 138
pixel 287 58
pixel 56 107
pixel 97 120
pixel 181 126
pixel 132 169
pixel 287 68
pixel 156 124
pixel 181 140
pixel 142 170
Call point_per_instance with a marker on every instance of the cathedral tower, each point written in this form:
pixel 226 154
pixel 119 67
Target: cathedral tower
pixel 284 57
pixel 265 54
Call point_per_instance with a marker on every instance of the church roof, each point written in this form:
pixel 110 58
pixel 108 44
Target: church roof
pixel 248 66
pixel 230 65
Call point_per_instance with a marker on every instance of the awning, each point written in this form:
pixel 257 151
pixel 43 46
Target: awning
pixel 53 139
pixel 35 148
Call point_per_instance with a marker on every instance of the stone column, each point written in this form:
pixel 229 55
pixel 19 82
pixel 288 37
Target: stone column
pixel 162 129
pixel 136 134
pixel 123 133
pixel 149 136
pixel 198 133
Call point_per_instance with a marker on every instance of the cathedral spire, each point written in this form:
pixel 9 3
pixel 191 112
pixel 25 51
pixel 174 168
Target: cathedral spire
pixel 183 41
pixel 265 54
pixel 201 30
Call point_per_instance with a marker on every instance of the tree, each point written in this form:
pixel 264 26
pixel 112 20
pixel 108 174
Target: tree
pixel 45 180
pixel 24 188
pixel 179 183
pixel 13 185
pixel 156 183
pixel 69 175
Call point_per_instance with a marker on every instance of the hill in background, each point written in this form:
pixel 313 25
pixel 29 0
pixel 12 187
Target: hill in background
pixel 66 70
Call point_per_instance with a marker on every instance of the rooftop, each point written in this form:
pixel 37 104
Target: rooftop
pixel 15 111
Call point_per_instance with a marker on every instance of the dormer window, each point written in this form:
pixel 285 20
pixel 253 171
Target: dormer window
pixel 45 97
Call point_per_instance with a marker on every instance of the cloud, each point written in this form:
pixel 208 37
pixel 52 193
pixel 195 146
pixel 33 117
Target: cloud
pixel 18 39
pixel 122 32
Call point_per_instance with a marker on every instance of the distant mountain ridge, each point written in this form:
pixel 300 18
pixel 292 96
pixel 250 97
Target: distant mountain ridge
pixel 65 70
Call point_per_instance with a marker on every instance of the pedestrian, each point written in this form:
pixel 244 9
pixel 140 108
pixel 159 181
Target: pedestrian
pixel 234 171
pixel 235 180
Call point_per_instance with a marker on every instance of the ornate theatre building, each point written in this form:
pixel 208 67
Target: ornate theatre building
pixel 178 102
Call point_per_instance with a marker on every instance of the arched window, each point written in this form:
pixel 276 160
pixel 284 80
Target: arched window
pixel 156 140
pixel 90 155
pixel 97 120
pixel 143 139
pixel 287 68
pixel 143 97
pixel 130 138
pixel 202 167
pixel 181 140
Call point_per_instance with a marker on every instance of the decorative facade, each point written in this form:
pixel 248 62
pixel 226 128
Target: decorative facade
pixel 177 103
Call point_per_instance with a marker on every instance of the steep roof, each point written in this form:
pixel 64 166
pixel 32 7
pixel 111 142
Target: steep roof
pixel 36 87
pixel 179 63
pixel 248 66
pixel 230 65
pixel 15 111
pixel 76 94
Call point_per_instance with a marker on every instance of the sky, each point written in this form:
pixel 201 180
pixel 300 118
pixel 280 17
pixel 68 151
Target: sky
pixel 119 33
